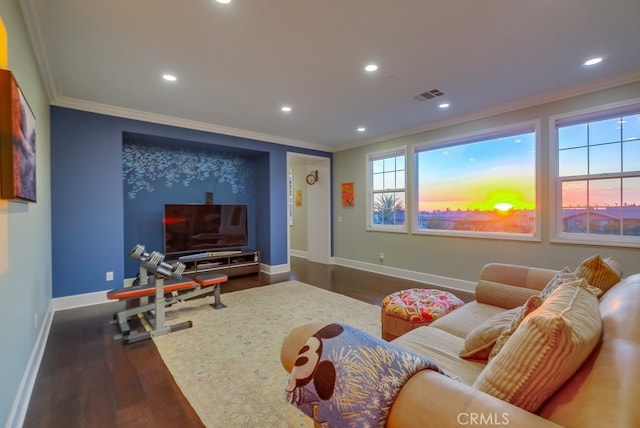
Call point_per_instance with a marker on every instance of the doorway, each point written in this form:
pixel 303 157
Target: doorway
pixel 309 231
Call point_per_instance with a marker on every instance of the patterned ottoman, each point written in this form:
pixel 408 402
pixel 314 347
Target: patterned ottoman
pixel 413 308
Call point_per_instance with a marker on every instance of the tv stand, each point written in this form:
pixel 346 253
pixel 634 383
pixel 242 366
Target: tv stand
pixel 231 263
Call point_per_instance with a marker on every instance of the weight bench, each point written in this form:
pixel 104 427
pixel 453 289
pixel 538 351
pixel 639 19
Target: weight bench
pixel 215 279
pixel 138 291
pixel 163 295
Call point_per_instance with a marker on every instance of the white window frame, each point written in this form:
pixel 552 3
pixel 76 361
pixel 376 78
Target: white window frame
pixel 557 234
pixel 370 157
pixel 485 134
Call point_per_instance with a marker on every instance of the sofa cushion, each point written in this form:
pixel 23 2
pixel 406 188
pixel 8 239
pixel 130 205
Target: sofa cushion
pixel 442 348
pixel 480 341
pixel 532 304
pixel 461 321
pixel 600 273
pixel 545 350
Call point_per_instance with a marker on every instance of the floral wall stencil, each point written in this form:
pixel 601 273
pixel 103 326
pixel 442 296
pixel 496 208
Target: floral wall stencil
pixel 145 163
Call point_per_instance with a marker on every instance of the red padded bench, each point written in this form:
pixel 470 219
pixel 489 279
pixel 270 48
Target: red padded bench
pixel 209 280
pixel 137 291
pixel 214 279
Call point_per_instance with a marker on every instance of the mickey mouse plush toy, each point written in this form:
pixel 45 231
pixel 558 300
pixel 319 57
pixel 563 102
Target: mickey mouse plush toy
pixel 307 368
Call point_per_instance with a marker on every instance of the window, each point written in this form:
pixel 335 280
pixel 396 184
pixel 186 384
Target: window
pixel 597 176
pixel 386 184
pixel 479 185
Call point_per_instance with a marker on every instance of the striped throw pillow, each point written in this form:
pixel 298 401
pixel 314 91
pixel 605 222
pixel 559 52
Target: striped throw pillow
pixel 600 273
pixel 546 349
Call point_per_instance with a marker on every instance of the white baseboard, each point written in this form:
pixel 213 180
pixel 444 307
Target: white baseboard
pixel 441 281
pixel 23 396
pixel 272 270
pixel 298 253
pixel 79 300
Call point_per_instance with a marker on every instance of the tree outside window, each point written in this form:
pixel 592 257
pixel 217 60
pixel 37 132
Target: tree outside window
pixel 387 187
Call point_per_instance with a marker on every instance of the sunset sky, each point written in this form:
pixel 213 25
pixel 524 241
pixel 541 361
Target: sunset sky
pixel 479 175
pixel 613 146
pixel 502 171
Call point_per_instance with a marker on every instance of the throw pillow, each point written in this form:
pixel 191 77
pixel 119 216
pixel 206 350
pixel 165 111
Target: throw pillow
pixel 545 350
pixel 600 273
pixel 562 277
pixel 532 304
pixel 480 340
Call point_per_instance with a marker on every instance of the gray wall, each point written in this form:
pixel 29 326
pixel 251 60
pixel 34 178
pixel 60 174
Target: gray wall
pixel 25 229
pixel 460 257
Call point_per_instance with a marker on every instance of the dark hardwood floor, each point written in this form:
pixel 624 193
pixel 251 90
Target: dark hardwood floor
pixel 88 379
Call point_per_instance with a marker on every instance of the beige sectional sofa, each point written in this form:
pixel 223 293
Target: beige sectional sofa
pixel 571 359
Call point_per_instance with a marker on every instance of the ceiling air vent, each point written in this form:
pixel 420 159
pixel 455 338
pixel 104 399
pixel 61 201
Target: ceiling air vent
pixel 429 95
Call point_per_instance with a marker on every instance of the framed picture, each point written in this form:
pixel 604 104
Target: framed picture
pixel 17 142
pixel 298 197
pixel 347 195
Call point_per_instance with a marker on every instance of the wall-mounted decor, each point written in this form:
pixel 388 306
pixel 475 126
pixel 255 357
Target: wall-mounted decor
pixel 312 177
pixel 298 197
pixel 144 164
pixel 17 142
pixel 347 195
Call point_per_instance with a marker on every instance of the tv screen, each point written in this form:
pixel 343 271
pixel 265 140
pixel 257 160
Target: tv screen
pixel 199 228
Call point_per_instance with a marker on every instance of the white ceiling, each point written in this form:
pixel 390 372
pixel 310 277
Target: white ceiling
pixel 237 64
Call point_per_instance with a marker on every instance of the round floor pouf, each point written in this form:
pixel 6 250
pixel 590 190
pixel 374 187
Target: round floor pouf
pixel 408 309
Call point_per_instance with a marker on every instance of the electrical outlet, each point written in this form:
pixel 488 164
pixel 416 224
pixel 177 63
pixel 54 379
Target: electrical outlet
pixel 110 276
pixel 381 256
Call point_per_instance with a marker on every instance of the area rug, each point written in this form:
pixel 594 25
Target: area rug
pixel 228 364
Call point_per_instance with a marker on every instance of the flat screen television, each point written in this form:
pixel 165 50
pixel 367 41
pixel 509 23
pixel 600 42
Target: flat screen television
pixel 200 228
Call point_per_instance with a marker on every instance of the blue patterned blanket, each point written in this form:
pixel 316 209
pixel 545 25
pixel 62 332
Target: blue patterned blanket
pixel 344 377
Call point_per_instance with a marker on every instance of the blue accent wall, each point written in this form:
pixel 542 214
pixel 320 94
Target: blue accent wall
pixel 179 172
pixel 89 200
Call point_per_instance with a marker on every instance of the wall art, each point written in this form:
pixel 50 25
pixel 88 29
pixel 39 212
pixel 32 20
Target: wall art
pixel 17 142
pixel 144 164
pixel 347 195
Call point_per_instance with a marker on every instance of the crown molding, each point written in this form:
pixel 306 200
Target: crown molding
pixel 37 42
pixel 144 116
pixel 534 101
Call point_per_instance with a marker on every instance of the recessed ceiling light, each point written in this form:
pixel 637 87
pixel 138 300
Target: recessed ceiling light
pixel 286 109
pixel 224 1
pixel 593 61
pixel 444 105
pixel 362 129
pixel 371 67
pixel 169 77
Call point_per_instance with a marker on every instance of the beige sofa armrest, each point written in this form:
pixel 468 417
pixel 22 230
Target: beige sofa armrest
pixel 519 276
pixel 431 399
pixel 502 295
pixel 509 286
